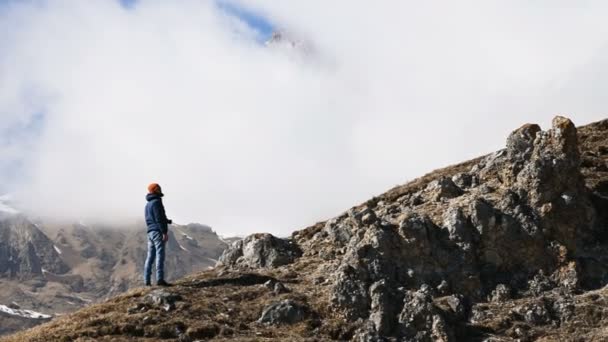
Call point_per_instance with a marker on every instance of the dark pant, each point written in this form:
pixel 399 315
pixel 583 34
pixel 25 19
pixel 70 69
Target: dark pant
pixel 156 250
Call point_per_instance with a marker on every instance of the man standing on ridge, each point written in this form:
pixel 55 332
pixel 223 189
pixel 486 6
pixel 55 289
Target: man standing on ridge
pixel 158 234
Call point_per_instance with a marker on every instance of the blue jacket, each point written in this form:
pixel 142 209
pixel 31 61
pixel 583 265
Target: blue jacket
pixel 156 218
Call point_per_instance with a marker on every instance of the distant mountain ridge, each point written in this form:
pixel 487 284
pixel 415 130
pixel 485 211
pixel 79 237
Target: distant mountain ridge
pixel 57 268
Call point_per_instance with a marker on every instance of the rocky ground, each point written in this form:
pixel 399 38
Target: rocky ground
pixel 507 247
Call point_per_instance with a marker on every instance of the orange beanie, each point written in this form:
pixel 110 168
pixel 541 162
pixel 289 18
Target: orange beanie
pixel 153 188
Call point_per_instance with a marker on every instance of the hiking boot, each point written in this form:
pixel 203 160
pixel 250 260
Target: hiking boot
pixel 148 283
pixel 163 283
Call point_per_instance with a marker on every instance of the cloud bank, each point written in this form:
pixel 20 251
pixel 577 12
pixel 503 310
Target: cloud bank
pixel 97 101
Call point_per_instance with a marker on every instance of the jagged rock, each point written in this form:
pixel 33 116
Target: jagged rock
pixel 520 142
pixel 350 294
pixel 419 320
pixel 457 225
pixel 384 308
pixel 340 233
pixel 284 312
pixel 260 250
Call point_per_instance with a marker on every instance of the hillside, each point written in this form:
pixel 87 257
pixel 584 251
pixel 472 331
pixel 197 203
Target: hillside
pixel 512 246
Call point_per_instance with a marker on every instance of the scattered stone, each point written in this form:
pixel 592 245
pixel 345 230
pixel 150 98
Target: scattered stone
pixel 163 299
pixel 139 307
pixel 535 314
pixel 284 312
pixel 279 288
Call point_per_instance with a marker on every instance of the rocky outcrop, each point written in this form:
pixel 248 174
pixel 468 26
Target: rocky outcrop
pixel 487 232
pixel 260 250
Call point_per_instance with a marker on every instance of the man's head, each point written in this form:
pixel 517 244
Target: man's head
pixel 154 188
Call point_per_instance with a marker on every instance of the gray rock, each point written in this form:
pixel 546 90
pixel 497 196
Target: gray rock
pixel 366 216
pixel 162 299
pixel 457 225
pixel 284 312
pixel 463 180
pixel 276 287
pixel 384 308
pixel 349 293
pixel 260 250
pixel 419 320
pixel 520 143
pixel 443 188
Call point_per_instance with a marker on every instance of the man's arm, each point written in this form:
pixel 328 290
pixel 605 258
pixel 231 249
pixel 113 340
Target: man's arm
pixel 162 206
pixel 161 217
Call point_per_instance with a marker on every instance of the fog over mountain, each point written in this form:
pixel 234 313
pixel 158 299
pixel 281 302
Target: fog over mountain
pixel 97 100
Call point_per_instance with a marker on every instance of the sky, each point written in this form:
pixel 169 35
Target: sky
pixel 100 98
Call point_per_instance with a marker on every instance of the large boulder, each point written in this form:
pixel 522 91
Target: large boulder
pixel 259 251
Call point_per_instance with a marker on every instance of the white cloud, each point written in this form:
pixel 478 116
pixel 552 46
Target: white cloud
pixel 247 139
